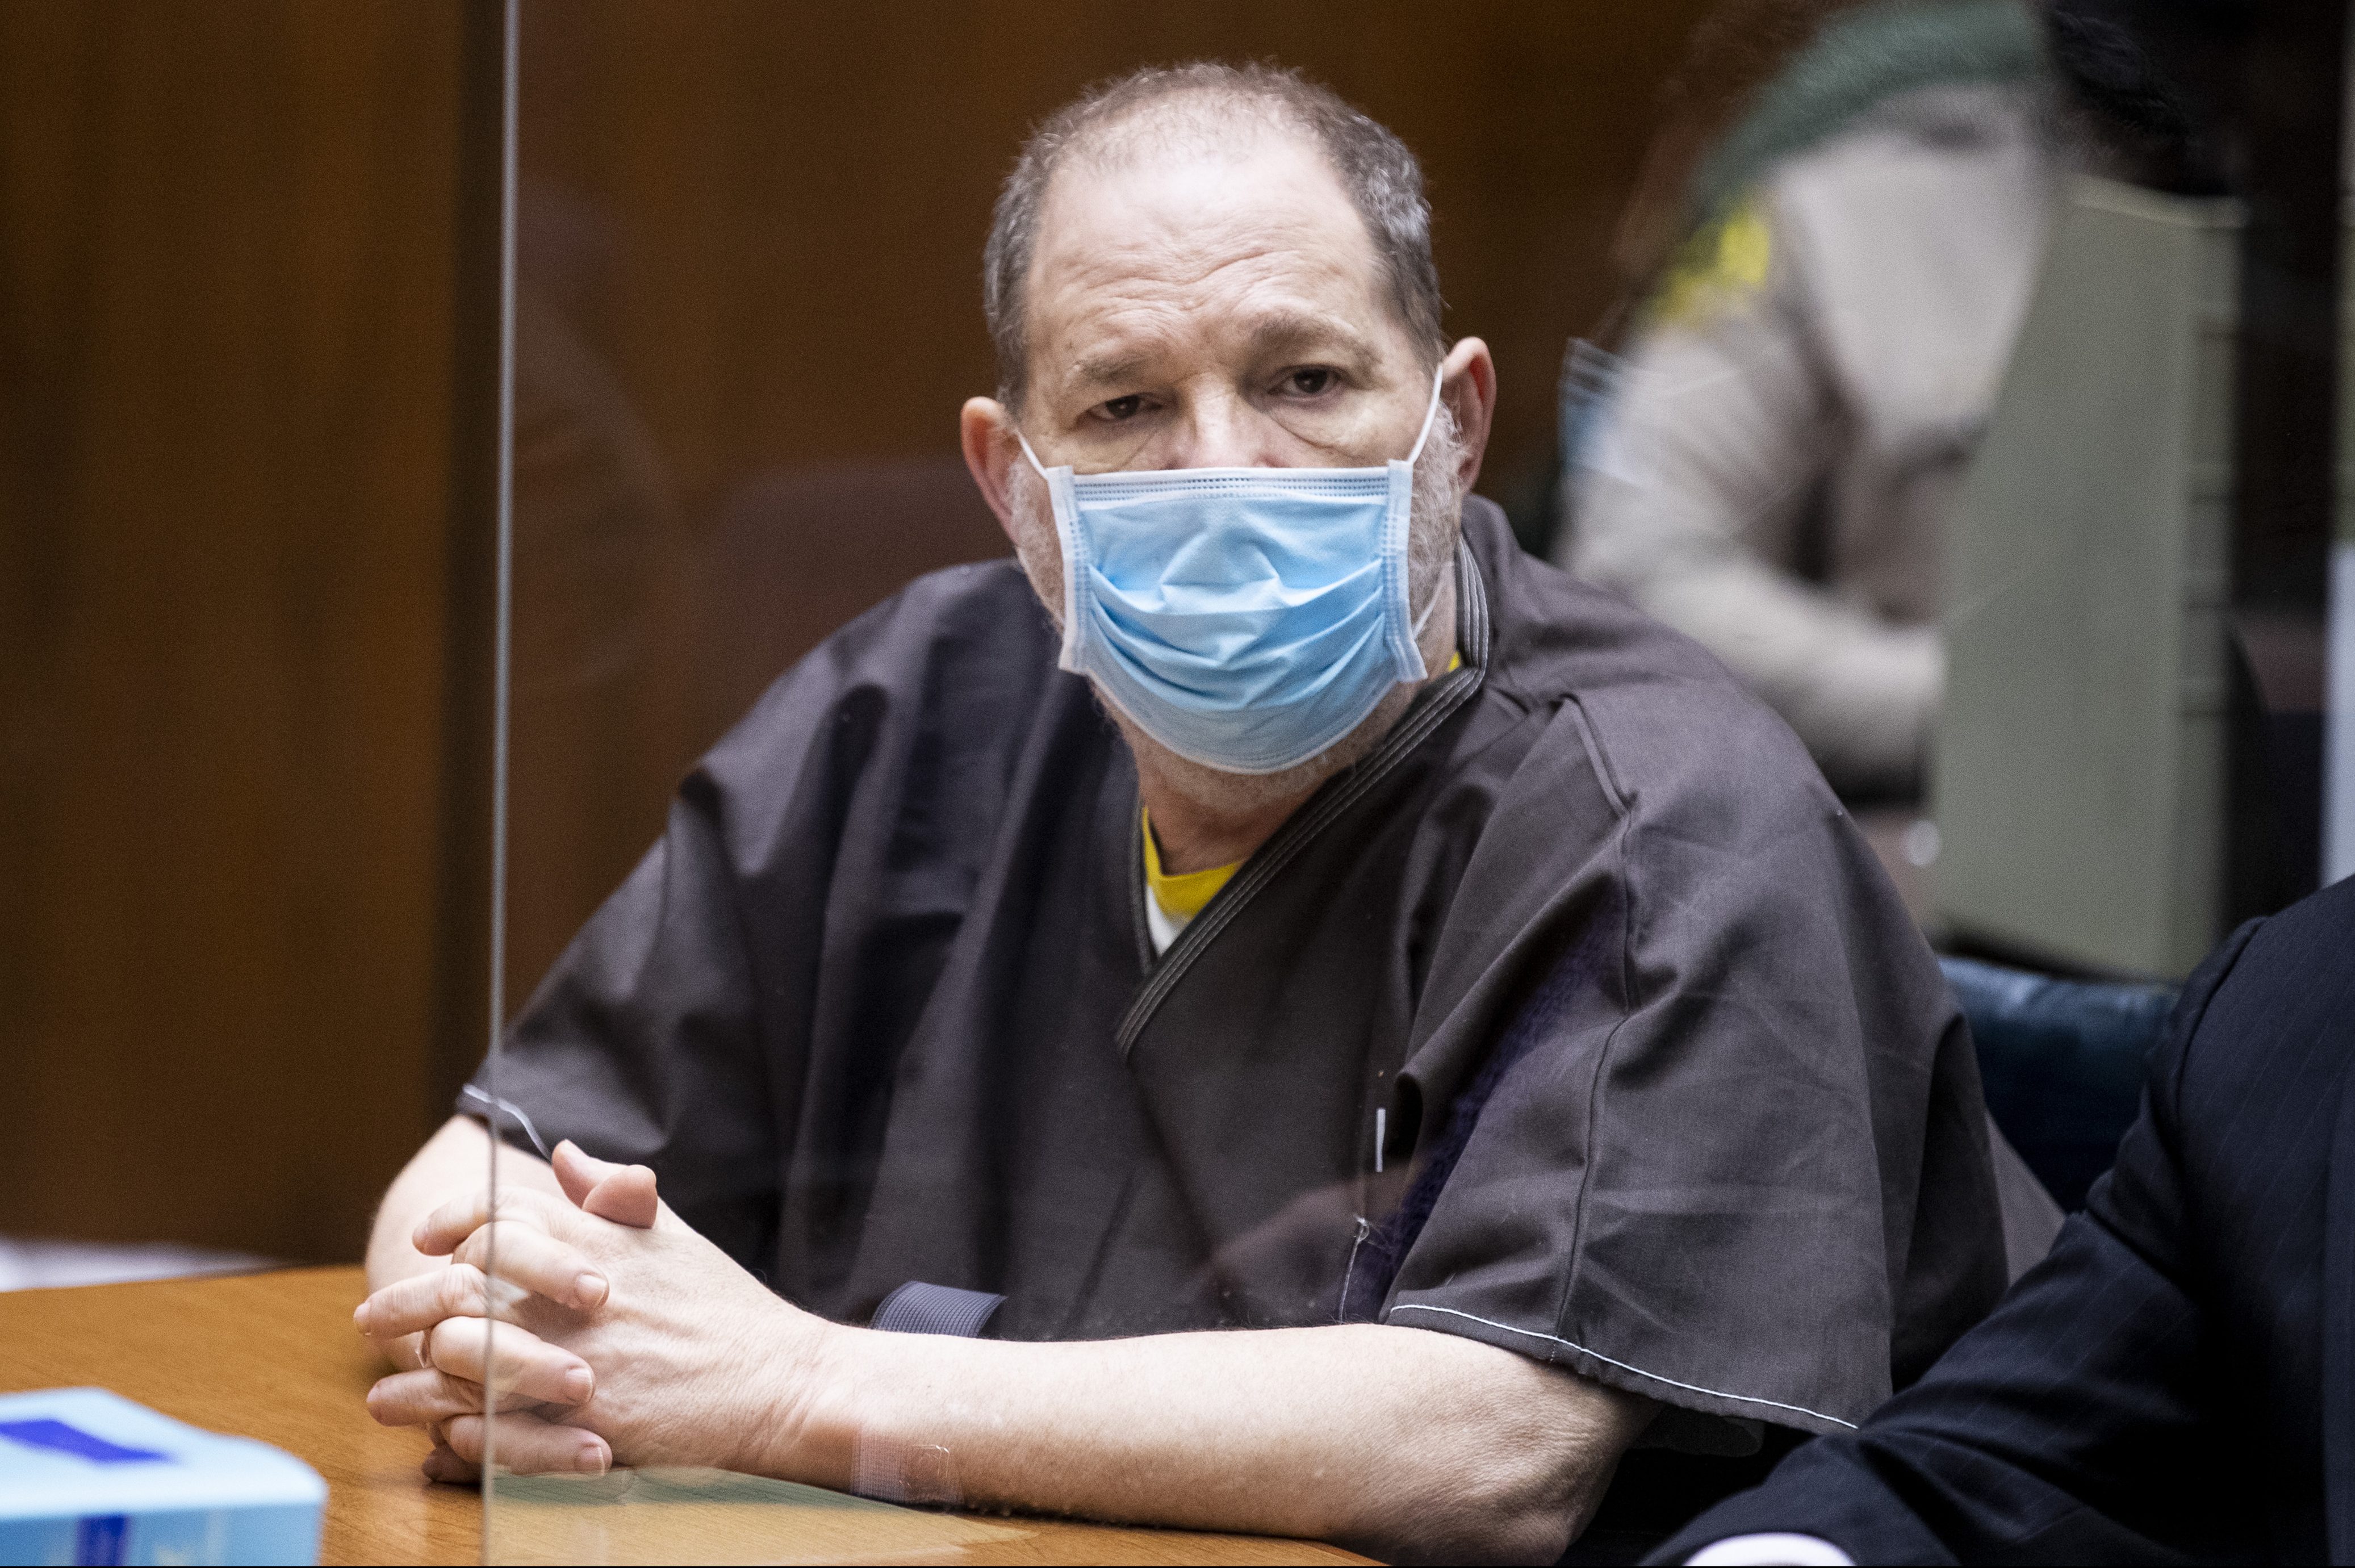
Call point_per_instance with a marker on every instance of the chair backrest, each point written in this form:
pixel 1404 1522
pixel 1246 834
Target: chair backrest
pixel 2061 1062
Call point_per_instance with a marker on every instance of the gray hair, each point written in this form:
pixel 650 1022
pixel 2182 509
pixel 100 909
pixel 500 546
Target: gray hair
pixel 1383 178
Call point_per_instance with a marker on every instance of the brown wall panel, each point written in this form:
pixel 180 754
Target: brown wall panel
pixel 225 265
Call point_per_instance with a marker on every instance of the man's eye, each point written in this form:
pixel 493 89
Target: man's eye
pixel 1309 382
pixel 1121 407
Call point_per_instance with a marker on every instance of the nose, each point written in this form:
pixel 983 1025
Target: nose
pixel 1222 430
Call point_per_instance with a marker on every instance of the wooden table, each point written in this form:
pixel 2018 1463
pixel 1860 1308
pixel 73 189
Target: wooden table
pixel 273 1355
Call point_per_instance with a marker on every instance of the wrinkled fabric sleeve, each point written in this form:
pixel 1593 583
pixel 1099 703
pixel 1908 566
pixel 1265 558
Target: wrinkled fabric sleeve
pixel 1733 1152
pixel 641 1045
pixel 670 1030
pixel 816 867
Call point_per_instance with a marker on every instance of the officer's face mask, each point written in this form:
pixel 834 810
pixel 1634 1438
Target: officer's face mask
pixel 1246 618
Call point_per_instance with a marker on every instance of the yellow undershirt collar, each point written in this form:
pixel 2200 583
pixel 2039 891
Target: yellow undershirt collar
pixel 1182 895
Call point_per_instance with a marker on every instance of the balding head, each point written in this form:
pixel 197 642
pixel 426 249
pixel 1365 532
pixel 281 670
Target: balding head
pixel 1200 112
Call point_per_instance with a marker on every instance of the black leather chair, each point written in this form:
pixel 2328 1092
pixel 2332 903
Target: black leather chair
pixel 2062 1061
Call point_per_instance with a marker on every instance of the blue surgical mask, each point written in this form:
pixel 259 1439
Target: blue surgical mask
pixel 1246 618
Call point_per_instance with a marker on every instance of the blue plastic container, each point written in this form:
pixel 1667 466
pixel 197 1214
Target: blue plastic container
pixel 89 1477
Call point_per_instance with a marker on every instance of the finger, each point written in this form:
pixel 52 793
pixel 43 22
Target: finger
pixel 622 1193
pixel 528 1366
pixel 444 1465
pixel 530 1447
pixel 414 1305
pixel 423 1398
pixel 628 1198
pixel 579 1171
pixel 439 1232
pixel 537 1262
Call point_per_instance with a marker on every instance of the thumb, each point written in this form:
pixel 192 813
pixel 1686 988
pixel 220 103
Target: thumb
pixel 577 1172
pixel 622 1193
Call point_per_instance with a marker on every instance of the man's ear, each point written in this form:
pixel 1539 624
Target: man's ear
pixel 1468 381
pixel 986 431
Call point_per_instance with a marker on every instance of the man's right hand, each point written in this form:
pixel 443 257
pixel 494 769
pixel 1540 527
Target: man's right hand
pixel 695 1362
pixel 446 1380
pixel 442 1374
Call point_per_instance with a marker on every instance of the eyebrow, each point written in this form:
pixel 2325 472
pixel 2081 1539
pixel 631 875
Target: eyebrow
pixel 1273 334
pixel 1284 331
pixel 1108 369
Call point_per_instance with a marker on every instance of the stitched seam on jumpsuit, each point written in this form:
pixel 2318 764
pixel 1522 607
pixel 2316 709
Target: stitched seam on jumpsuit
pixel 1443 703
pixel 1583 1351
pixel 1140 923
pixel 1610 1040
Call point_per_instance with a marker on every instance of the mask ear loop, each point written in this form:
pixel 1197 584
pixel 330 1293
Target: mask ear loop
pixel 1424 619
pixel 1429 416
pixel 1407 650
pixel 1065 505
pixel 1030 454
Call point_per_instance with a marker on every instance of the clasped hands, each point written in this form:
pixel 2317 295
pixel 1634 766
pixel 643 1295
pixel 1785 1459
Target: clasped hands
pixel 622 1332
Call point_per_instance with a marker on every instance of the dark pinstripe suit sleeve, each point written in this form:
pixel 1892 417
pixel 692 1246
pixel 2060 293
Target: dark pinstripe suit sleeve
pixel 2066 1427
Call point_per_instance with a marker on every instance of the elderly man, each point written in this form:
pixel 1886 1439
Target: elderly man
pixel 1323 920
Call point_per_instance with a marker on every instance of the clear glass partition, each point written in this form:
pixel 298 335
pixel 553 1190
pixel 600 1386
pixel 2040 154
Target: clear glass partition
pixel 742 313
pixel 741 319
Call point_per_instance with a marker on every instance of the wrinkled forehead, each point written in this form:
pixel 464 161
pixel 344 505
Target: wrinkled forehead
pixel 1200 246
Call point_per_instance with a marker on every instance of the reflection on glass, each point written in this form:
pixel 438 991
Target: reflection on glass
pixel 1843 271
pixel 1841 230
